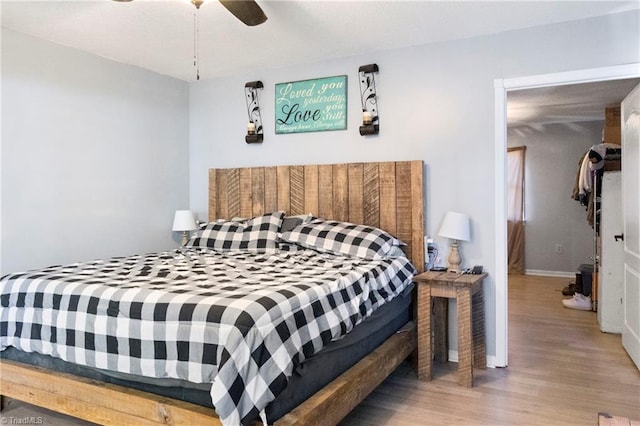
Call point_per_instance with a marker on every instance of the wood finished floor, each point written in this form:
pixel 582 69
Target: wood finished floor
pixel 562 371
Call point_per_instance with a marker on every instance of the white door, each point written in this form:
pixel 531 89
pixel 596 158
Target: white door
pixel 631 213
pixel 611 267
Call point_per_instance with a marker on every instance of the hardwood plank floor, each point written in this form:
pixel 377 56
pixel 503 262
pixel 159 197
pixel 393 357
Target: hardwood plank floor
pixel 562 371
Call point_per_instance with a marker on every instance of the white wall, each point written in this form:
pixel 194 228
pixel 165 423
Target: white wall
pixel 94 155
pixel 436 103
pixel 552 216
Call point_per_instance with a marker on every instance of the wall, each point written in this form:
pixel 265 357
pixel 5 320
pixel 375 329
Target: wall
pixel 552 216
pixel 94 156
pixel 436 103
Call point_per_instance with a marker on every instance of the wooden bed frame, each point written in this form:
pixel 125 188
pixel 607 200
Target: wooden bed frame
pixel 388 195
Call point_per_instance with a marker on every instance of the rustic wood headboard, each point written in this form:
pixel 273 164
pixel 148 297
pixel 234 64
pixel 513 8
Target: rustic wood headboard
pixel 387 195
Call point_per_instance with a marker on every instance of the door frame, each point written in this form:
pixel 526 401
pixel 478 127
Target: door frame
pixel 501 87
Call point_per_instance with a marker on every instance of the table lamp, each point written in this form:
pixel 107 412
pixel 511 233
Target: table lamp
pixel 184 221
pixel 456 227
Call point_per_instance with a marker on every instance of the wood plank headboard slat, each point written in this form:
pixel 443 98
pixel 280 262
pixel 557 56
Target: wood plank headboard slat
pixel 371 195
pixel 325 191
pixel 340 191
pixel 311 189
pixel 388 195
pixel 404 202
pixel 388 201
pixel 270 185
pixel 296 176
pixel 282 188
pixel 355 185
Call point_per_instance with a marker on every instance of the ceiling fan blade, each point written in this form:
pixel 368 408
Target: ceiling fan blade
pixel 247 11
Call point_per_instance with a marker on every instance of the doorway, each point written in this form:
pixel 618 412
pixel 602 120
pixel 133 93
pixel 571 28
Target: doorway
pixel 502 86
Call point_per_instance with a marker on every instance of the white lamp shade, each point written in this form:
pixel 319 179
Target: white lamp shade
pixel 183 220
pixel 455 226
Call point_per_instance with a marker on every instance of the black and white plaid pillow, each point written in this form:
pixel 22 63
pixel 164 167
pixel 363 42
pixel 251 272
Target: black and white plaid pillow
pixel 258 234
pixel 366 242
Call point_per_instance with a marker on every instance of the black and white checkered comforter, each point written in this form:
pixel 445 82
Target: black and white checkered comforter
pixel 238 320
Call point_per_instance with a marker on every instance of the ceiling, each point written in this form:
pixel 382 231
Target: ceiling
pixel 565 104
pixel 160 35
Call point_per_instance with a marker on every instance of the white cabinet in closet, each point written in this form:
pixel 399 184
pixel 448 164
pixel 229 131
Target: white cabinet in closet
pixel 612 254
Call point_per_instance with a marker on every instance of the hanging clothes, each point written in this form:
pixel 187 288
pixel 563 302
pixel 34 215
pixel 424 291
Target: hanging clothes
pixel 589 175
pixel 584 179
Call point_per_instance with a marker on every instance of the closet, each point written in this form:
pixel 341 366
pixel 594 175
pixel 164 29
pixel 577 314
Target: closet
pixel 608 246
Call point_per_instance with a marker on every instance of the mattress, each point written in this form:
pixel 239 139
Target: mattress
pixel 309 377
pixel 238 323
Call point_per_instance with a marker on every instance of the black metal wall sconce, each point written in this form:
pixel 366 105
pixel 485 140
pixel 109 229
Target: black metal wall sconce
pixel 370 123
pixel 254 128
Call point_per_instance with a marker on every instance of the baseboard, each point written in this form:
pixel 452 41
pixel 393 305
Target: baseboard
pixel 562 274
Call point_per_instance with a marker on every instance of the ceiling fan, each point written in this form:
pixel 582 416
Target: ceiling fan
pixel 246 11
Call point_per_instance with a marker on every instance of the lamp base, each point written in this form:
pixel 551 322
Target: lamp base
pixel 454 258
pixel 185 237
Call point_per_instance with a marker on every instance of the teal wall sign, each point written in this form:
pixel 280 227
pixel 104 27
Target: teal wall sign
pixel 311 105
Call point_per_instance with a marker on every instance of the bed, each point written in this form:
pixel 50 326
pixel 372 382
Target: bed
pixel 387 195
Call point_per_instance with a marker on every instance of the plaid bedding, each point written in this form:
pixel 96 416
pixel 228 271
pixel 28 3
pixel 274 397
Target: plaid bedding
pixel 239 320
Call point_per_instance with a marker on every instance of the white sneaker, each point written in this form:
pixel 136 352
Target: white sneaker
pixel 578 301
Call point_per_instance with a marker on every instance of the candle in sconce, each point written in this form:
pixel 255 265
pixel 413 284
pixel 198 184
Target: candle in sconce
pixel 367 118
pixel 251 128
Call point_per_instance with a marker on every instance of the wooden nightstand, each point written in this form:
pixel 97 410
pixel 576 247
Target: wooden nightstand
pixel 467 290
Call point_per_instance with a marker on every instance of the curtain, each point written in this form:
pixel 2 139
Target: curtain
pixel 515 209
